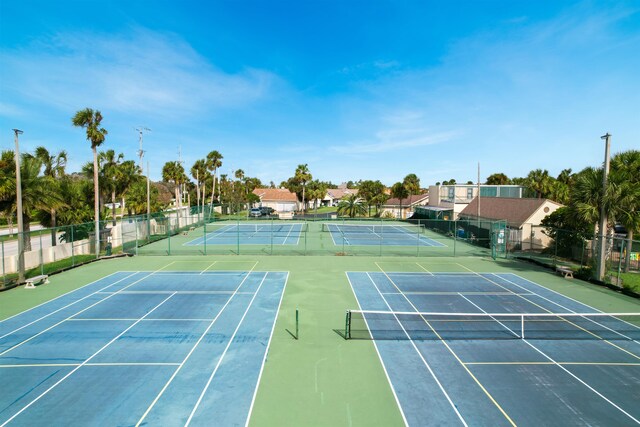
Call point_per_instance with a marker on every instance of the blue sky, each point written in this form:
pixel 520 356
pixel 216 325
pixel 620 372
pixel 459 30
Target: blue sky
pixel 355 89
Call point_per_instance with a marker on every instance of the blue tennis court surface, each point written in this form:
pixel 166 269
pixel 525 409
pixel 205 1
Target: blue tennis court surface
pixel 134 348
pixel 376 235
pixel 586 380
pixel 251 234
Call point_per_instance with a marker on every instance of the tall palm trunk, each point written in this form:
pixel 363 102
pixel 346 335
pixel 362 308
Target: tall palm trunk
pixel 113 207
pixel 178 204
pixel 26 236
pixel 627 256
pixel 96 205
pixel 53 227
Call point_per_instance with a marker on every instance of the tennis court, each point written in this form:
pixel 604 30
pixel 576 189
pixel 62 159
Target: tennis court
pixel 141 347
pixel 266 233
pixel 379 234
pixel 470 357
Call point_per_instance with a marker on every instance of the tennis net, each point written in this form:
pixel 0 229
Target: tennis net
pixel 389 325
pixel 372 228
pixel 266 227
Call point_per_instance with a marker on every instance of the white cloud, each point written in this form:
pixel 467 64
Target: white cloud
pixel 141 72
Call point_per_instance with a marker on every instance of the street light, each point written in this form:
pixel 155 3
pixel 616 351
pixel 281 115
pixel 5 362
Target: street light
pixel 19 209
pixel 603 215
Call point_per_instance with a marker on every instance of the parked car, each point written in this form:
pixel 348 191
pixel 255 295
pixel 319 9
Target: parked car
pixel 266 211
pixel 255 212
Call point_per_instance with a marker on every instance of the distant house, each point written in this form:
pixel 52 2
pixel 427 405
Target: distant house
pixel 404 208
pixel 280 199
pixel 521 215
pixel 447 201
pixel 335 195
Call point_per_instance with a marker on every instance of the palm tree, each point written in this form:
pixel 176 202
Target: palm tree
pixel 110 164
pixel 36 194
pixel 370 192
pixel 90 120
pixel 127 174
pixel 539 181
pixel 351 206
pixel 625 176
pixel 412 183
pixel 53 169
pixel 399 191
pixel 214 161
pixel 174 172
pixel 199 172
pixel 497 179
pixel 302 175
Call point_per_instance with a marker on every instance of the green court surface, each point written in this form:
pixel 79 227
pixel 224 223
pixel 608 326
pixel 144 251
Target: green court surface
pixel 320 378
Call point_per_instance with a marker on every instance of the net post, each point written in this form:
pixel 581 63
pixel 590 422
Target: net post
pixel 297 324
pixel 347 325
pixel 522 327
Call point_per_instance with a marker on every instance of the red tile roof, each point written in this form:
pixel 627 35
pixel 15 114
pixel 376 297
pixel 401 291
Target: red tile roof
pixel 275 194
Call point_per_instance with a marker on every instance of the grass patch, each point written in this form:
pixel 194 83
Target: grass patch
pixel 631 281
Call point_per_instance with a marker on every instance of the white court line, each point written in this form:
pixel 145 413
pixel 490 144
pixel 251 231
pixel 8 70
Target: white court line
pixel 561 367
pixel 455 355
pixel 215 370
pixel 549 311
pixel 415 347
pixel 55 365
pixel 81 365
pixel 571 311
pixel 375 345
pixel 111 319
pixel 60 296
pixel 209 266
pixel 557 293
pixel 170 292
pixel 264 358
pixel 422 267
pixel 170 380
pixel 66 306
pixel 582 382
pixel 75 314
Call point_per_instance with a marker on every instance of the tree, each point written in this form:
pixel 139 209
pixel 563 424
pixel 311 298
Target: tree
pixel 566 232
pixel 625 179
pixel 214 161
pixel 497 179
pixel 110 162
pixel 90 120
pixel 540 182
pixel 54 165
pixel 199 173
pixel 316 191
pixel 302 175
pixel 370 191
pixel 36 193
pixel 412 183
pixel 399 191
pixel 174 172
pixel 351 206
pixel 587 197
pixel 137 198
pixel 127 174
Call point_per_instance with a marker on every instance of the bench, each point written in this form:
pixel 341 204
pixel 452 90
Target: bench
pixel 30 283
pixel 566 272
pixel 185 232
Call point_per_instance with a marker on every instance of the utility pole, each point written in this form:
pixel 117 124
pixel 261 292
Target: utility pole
pixel 602 226
pixel 140 150
pixel 19 209
pixel 148 204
